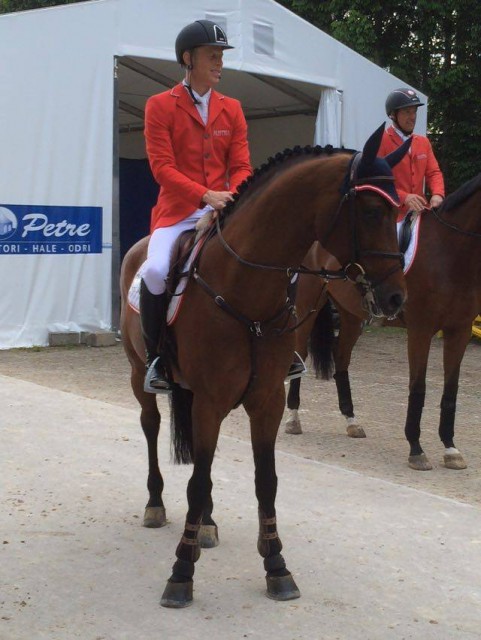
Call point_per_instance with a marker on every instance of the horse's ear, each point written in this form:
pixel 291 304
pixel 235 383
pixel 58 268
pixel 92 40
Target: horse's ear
pixel 371 147
pixel 398 154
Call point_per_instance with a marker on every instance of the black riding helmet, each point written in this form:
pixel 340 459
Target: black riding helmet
pixel 401 98
pixel 198 34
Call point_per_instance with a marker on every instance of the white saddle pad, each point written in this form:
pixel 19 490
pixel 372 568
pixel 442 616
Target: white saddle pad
pixel 174 306
pixel 413 243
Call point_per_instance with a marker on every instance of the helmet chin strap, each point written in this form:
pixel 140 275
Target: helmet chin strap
pixel 187 84
pixel 395 120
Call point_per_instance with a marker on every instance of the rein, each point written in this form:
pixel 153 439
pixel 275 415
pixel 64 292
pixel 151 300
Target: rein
pixel 261 329
pixel 290 271
pixel 453 227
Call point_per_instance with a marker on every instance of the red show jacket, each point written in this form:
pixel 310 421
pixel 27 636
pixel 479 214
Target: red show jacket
pixel 188 158
pixel 417 166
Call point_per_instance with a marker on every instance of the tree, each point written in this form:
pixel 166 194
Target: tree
pixel 10 6
pixel 430 44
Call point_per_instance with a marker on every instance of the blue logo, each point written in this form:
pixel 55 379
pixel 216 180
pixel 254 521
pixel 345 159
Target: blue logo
pixel 8 223
pixel 26 229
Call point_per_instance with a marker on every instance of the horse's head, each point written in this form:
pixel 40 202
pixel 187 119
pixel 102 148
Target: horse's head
pixel 371 200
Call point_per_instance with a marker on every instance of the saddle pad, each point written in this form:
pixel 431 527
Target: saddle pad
pixel 410 252
pixel 174 305
pixel 133 297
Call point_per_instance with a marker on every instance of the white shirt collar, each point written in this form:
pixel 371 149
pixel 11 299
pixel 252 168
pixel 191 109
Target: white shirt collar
pixel 202 99
pixel 403 136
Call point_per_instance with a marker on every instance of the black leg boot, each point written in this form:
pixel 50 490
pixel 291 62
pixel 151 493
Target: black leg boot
pixel 152 319
pixel 297 368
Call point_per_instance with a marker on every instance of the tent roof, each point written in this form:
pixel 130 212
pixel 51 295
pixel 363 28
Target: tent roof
pixel 261 96
pixel 286 61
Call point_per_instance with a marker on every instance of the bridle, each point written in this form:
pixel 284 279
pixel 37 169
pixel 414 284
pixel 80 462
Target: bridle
pixel 361 280
pixel 281 323
pixel 352 271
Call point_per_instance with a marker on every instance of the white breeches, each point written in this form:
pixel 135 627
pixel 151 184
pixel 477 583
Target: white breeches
pixel 155 269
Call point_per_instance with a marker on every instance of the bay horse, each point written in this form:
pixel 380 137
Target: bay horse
pixel 233 338
pixel 444 294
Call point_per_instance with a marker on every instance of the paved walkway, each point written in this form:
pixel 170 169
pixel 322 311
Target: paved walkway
pixel 379 561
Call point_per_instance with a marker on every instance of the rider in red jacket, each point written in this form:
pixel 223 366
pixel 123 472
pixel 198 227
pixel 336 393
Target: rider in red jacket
pixel 196 142
pixel 419 170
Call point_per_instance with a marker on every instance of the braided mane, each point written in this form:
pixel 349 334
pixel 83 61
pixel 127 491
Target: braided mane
pixel 281 160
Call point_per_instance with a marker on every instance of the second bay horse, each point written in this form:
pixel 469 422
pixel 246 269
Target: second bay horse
pixel 444 294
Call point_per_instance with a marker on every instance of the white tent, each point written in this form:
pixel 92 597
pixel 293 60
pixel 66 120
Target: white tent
pixel 74 81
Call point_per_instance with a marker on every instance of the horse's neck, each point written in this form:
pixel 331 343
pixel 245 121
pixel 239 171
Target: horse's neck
pixel 443 250
pixel 281 224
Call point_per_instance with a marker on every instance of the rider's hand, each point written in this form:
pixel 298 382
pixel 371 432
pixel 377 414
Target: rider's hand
pixel 436 201
pixel 414 202
pixel 217 199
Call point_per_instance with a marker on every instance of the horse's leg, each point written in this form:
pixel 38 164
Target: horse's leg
pixel 206 421
pixel 208 534
pixel 453 351
pixel 265 418
pixel 349 331
pixel 154 515
pixel 311 297
pixel 418 353
pixel 293 423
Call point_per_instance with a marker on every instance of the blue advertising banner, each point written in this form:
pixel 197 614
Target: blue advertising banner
pixel 32 229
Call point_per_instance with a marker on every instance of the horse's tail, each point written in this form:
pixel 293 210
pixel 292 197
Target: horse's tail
pixel 321 343
pixel 181 425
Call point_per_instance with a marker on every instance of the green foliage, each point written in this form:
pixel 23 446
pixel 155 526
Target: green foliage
pixel 430 44
pixel 10 6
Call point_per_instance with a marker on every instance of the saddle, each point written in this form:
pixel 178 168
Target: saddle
pixel 181 250
pixel 405 232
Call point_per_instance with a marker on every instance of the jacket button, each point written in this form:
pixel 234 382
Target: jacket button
pixel 206 136
pixel 206 155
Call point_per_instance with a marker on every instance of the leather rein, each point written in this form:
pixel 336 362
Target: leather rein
pixel 260 329
pixel 352 271
pixel 453 227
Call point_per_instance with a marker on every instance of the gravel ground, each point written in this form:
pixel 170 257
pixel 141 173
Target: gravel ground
pixel 379 375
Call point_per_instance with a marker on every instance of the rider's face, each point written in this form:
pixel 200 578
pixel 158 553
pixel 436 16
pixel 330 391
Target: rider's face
pixel 207 67
pixel 406 118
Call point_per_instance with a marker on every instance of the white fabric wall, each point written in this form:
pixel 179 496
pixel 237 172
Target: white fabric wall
pixel 329 119
pixel 56 139
pixel 56 124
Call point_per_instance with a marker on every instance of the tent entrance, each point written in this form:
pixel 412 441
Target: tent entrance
pixel 280 113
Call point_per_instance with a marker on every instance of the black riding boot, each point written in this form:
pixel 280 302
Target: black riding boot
pixel 152 319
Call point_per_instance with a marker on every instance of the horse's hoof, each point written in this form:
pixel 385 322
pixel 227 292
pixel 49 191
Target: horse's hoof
pixel 420 463
pixel 454 461
pixel 154 517
pixel 294 427
pixel 282 588
pixel 208 536
pixel 177 595
pixel 355 431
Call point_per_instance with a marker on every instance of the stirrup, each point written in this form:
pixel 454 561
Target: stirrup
pixel 152 373
pixel 297 369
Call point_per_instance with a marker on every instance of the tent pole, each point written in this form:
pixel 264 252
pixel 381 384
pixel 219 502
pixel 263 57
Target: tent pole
pixel 115 207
